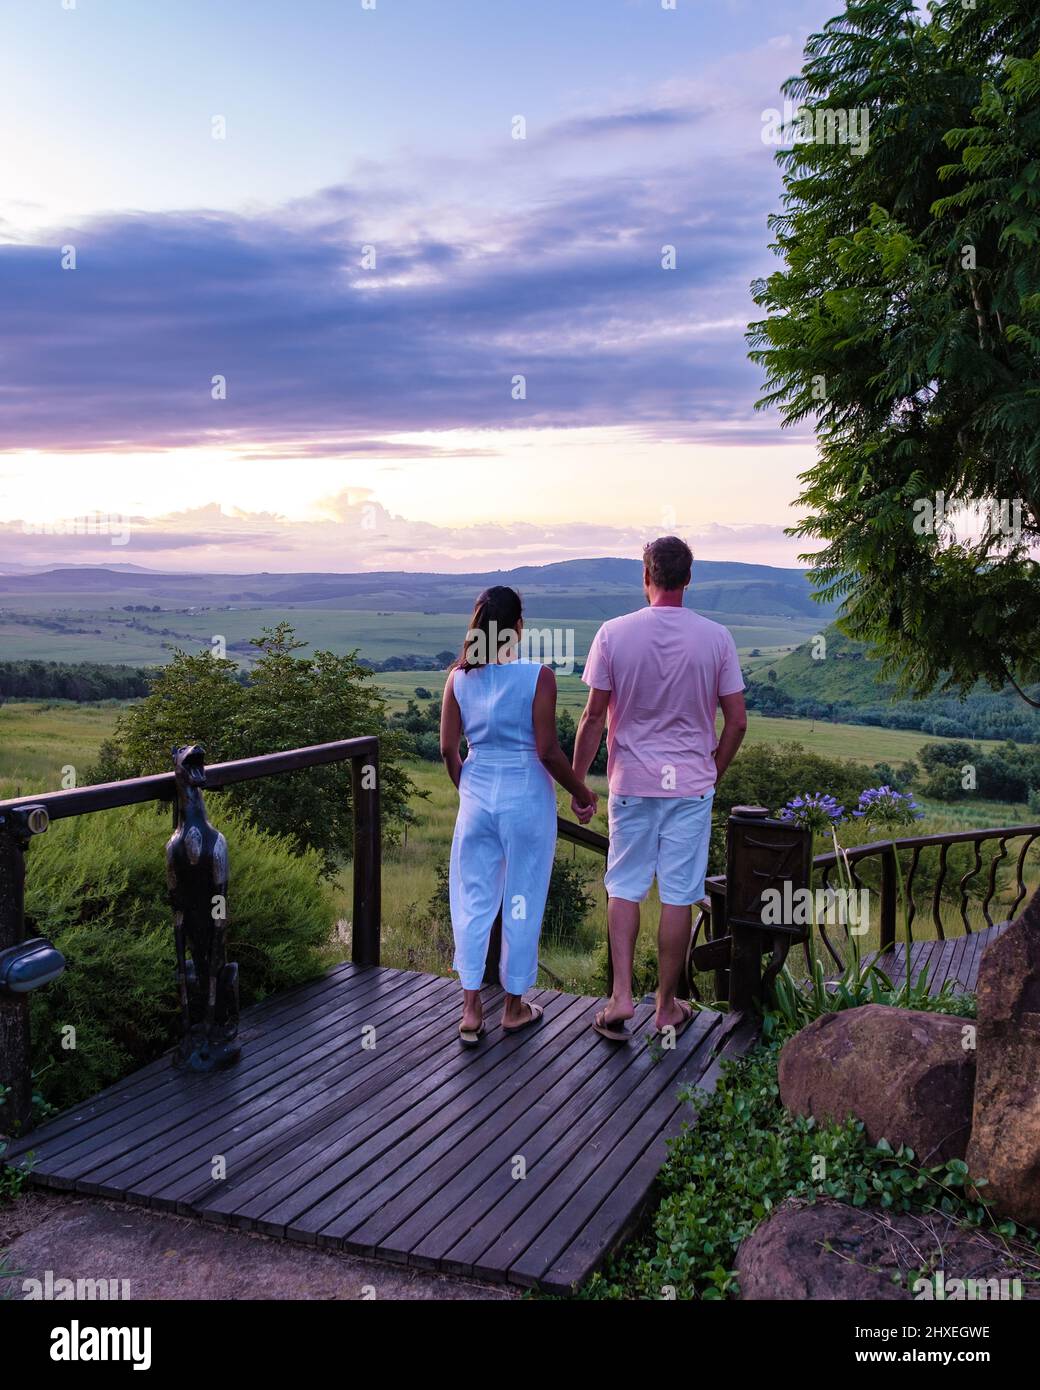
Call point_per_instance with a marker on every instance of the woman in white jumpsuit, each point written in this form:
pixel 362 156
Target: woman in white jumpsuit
pixel 505 833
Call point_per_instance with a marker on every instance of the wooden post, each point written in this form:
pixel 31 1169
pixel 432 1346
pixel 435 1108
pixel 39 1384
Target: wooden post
pixel 761 854
pixel 16 829
pixel 367 859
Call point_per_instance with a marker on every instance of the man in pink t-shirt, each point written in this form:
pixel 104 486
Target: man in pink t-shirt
pixel 657 678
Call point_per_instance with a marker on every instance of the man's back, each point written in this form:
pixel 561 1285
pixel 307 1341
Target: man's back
pixel 665 668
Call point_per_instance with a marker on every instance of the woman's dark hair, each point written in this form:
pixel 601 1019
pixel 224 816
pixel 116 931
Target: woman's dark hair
pixel 496 616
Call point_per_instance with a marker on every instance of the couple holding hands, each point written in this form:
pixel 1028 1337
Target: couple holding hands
pixel 656 678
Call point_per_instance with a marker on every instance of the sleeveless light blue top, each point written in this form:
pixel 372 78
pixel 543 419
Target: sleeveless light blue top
pixel 496 704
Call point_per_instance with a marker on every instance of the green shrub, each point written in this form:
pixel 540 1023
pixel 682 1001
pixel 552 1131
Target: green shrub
pixel 769 775
pixel 745 1156
pixel 798 1002
pixel 97 887
pixel 285 701
pixel 11 1180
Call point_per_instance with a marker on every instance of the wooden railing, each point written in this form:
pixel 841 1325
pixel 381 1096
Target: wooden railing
pixel 21 818
pixel 878 867
pixel 711 944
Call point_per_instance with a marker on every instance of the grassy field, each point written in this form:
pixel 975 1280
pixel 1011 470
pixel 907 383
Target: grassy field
pixel 40 631
pixel 38 740
pixel 857 742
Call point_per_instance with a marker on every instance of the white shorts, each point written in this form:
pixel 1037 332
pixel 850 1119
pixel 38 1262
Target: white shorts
pixel 663 835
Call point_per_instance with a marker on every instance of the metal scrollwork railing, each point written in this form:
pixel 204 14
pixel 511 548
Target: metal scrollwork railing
pixel 980 877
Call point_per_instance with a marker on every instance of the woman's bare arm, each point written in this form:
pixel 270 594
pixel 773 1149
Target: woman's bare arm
pixel 451 730
pixel 549 750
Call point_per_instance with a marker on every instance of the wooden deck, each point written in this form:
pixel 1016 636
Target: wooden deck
pixel 355 1119
pixel 956 959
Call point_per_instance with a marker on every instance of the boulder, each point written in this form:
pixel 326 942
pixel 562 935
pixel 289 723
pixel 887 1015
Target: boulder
pixel 908 1075
pixel 829 1250
pixel 1005 1135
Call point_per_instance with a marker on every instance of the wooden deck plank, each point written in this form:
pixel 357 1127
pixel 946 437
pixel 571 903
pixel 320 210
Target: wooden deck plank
pixel 318 1165
pixel 130 1101
pixel 602 1215
pixel 403 1150
pixel 409 1161
pixel 507 1063
pixel 957 958
pixel 505 1215
pixel 273 1103
pixel 283 1054
pixel 564 1089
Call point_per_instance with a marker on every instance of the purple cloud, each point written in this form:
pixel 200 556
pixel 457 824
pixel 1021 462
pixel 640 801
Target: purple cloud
pixel 322 357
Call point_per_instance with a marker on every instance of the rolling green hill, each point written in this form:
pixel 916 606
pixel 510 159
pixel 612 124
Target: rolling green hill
pixel 845 684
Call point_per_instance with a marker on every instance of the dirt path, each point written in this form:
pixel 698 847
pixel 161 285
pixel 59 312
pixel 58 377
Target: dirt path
pixel 161 1256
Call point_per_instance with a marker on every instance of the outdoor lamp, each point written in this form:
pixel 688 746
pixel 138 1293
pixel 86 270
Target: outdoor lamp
pixel 29 965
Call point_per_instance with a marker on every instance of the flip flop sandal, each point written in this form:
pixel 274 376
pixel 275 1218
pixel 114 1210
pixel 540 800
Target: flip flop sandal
pixel 688 1018
pixel 615 1032
pixel 536 1014
pixel 470 1037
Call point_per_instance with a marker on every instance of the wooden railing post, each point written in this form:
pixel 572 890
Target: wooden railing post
pixel 367 858
pixel 16 829
pixel 762 855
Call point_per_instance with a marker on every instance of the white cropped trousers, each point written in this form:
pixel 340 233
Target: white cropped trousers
pixel 501 856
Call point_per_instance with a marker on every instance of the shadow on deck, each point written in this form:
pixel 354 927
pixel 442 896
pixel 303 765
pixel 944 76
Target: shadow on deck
pixel 355 1119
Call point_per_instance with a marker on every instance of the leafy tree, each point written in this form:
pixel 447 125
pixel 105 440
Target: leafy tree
pixel 906 320
pixel 1005 773
pixel 567 731
pixel 289 701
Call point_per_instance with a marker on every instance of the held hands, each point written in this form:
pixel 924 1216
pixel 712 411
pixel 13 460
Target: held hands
pixel 584 806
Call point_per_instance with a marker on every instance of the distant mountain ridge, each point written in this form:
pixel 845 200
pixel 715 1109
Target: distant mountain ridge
pixel 595 589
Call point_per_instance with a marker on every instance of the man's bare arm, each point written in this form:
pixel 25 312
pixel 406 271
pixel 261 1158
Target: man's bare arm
pixel 590 732
pixel 734 727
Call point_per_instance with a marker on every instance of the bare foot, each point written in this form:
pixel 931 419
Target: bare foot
pixel 515 1014
pixel 472 1018
pixel 672 1014
pixel 618 1011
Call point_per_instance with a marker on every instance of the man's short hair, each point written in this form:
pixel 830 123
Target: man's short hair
pixel 669 562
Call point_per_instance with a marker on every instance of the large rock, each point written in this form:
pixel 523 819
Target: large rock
pixel 907 1075
pixel 833 1251
pixel 1005 1136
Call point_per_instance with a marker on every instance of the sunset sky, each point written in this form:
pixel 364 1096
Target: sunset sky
pixel 370 419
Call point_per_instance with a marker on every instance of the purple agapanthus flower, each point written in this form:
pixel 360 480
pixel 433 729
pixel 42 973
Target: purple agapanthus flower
pixel 817 812
pixel 886 806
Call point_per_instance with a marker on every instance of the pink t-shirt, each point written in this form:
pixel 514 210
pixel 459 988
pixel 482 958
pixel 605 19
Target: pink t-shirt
pixel 665 669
